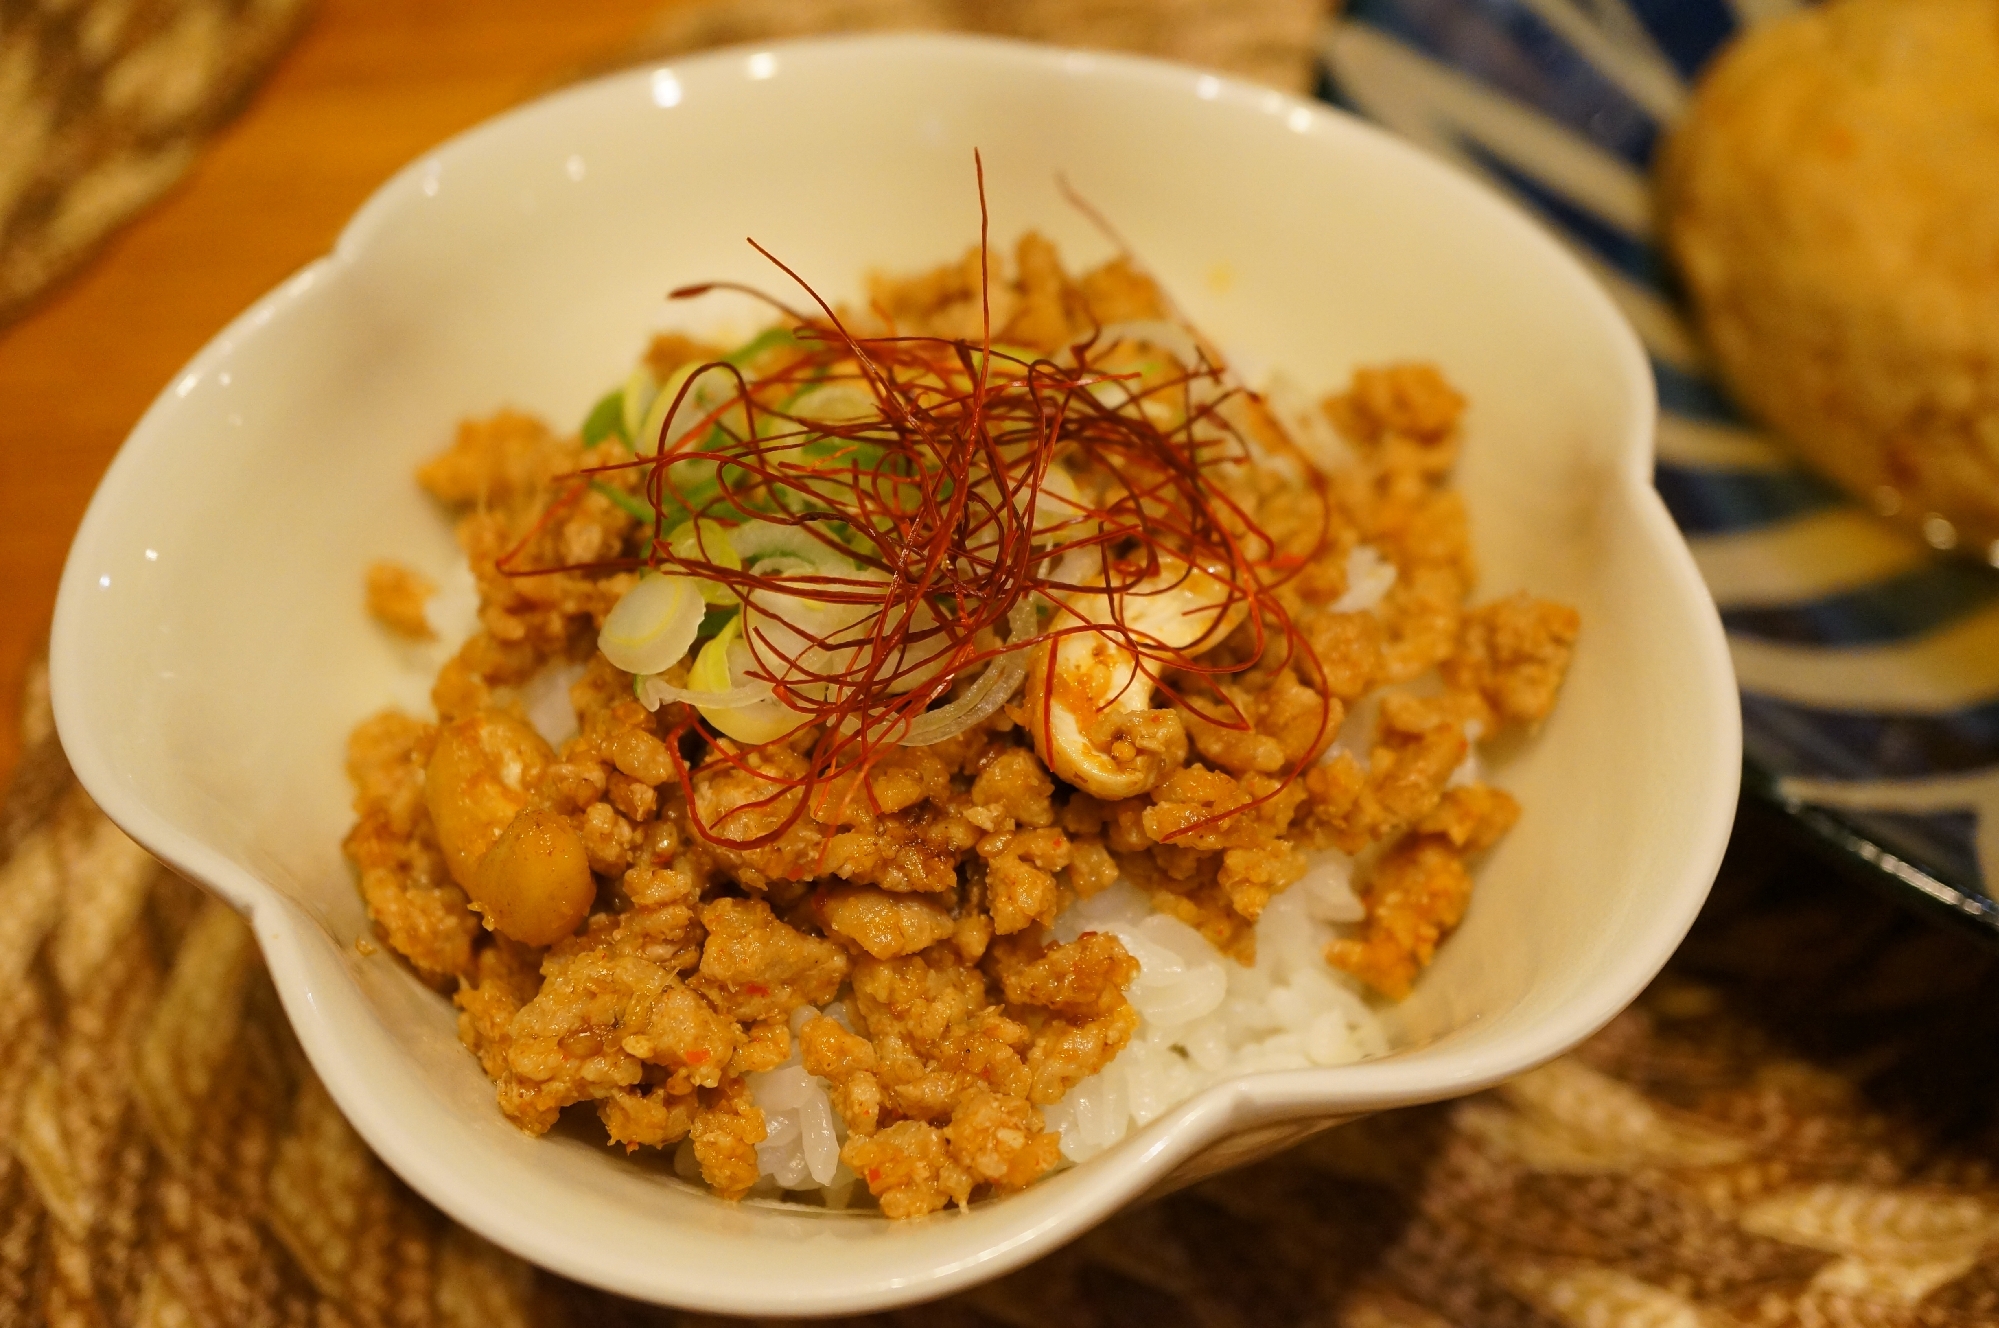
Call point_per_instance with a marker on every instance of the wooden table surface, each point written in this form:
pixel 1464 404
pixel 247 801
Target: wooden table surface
pixel 369 85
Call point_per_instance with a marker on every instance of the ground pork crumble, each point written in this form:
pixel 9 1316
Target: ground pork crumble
pixel 925 905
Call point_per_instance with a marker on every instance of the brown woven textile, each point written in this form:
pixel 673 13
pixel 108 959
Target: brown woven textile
pixel 103 104
pixel 1270 41
pixel 1797 1125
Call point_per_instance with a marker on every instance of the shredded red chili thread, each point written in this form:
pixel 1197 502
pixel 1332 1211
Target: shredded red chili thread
pixel 938 497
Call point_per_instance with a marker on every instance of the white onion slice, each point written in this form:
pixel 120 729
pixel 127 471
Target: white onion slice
pixel 1058 501
pixel 710 390
pixel 839 402
pixel 986 695
pixel 764 539
pixel 653 693
pixel 651 628
pixel 1084 567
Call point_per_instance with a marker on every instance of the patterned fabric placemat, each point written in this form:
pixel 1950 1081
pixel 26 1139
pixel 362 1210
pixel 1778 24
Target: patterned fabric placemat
pixel 1798 1124
pixel 103 104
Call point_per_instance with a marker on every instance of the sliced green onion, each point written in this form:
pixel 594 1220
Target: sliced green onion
pixel 606 418
pixel 635 399
pixel 710 671
pixel 769 539
pixel 767 339
pixel 749 712
pixel 651 627
pixel 630 503
pixel 839 401
pixel 715 620
pixel 700 399
pixel 708 542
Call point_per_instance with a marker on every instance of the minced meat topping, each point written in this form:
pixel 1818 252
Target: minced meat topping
pixel 923 901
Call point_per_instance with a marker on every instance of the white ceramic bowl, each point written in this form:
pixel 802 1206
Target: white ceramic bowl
pixel 210 650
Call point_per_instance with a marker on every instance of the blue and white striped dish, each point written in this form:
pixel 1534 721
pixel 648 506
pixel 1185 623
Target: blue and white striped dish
pixel 1869 664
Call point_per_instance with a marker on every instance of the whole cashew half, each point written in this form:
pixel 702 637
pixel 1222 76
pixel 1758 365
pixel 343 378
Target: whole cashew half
pixel 1090 709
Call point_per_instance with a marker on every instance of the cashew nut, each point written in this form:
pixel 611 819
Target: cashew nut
pixel 1089 708
pixel 534 884
pixel 477 781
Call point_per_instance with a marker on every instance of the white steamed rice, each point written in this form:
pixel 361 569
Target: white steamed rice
pixel 1203 1018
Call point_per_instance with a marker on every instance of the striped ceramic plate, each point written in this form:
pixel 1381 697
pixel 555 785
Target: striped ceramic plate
pixel 1869 664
